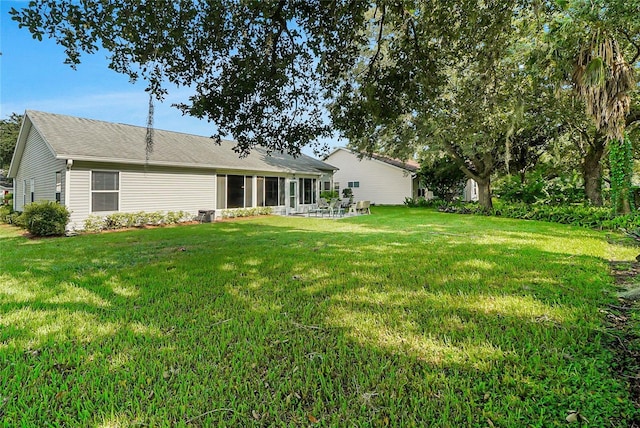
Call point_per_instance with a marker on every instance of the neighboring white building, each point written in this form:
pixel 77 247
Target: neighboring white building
pixel 380 179
pixel 97 168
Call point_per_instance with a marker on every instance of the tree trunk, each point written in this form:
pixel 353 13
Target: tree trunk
pixel 484 193
pixel 592 172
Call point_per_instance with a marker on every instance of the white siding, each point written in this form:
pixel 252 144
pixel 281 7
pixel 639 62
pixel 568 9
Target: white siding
pixel 145 189
pixel 80 194
pixel 37 163
pixel 380 183
pixel 471 191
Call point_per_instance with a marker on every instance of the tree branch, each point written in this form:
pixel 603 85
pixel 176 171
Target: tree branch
pixel 378 41
pixel 634 44
pixel 459 160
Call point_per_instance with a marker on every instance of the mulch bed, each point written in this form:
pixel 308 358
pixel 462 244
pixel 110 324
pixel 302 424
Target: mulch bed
pixel 621 318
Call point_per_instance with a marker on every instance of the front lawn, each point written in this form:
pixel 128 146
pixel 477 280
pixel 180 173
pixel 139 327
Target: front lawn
pixel 401 318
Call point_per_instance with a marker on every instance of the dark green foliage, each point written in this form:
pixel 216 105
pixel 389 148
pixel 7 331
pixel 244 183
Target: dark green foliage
pixel 9 216
pixel 512 189
pixel 540 189
pixel 9 130
pixel 621 166
pixel 45 218
pixel 423 203
pixel 443 177
pixel 347 192
pixel 263 70
pixel 329 194
pixel 576 215
pixel 254 66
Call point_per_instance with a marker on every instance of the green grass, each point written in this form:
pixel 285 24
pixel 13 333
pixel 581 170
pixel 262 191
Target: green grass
pixel 402 318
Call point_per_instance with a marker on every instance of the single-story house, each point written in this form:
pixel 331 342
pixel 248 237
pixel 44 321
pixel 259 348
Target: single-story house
pixel 381 179
pixel 97 168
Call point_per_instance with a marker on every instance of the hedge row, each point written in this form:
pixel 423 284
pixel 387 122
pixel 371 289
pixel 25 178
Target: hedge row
pixel 576 215
pixel 115 221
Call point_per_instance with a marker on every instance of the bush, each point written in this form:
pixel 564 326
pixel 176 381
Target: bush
pixel 538 189
pixel 45 218
pixel 329 194
pixel 246 212
pixel 576 215
pixel 5 214
pixel 423 203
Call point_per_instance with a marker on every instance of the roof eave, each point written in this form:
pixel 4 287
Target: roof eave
pixel 17 153
pixel 180 164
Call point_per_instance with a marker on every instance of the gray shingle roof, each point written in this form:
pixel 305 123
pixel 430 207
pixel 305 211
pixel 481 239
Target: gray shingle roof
pixel 87 139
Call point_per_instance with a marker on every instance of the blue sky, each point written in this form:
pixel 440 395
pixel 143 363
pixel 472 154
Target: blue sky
pixel 33 76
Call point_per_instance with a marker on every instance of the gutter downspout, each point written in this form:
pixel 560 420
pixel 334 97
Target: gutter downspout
pixel 67 183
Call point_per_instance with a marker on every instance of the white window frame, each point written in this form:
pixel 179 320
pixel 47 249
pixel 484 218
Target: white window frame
pixel 91 191
pixel 32 190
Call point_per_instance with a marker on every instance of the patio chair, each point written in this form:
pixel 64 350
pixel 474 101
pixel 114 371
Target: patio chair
pixel 346 203
pixel 320 208
pixel 362 207
pixel 334 207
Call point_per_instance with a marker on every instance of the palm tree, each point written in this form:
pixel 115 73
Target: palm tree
pixel 604 80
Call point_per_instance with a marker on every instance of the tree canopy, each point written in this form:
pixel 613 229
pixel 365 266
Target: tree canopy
pixel 263 71
pixel 9 130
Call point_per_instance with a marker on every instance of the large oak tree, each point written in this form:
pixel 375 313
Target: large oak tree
pixel 263 71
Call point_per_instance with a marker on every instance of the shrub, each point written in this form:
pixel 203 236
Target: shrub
pixel 45 218
pixel 175 217
pixel 576 215
pixel 246 212
pixel 329 194
pixel 538 189
pixel 5 214
pixel 423 203
pixel 138 219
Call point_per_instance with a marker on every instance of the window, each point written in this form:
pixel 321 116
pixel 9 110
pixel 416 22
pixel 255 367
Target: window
pixel 105 191
pixel 271 191
pixel 336 186
pixel 307 191
pixel 353 184
pixel 235 191
pixel 422 193
pixel 32 189
pixel 24 192
pixel 58 186
pixel 326 186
